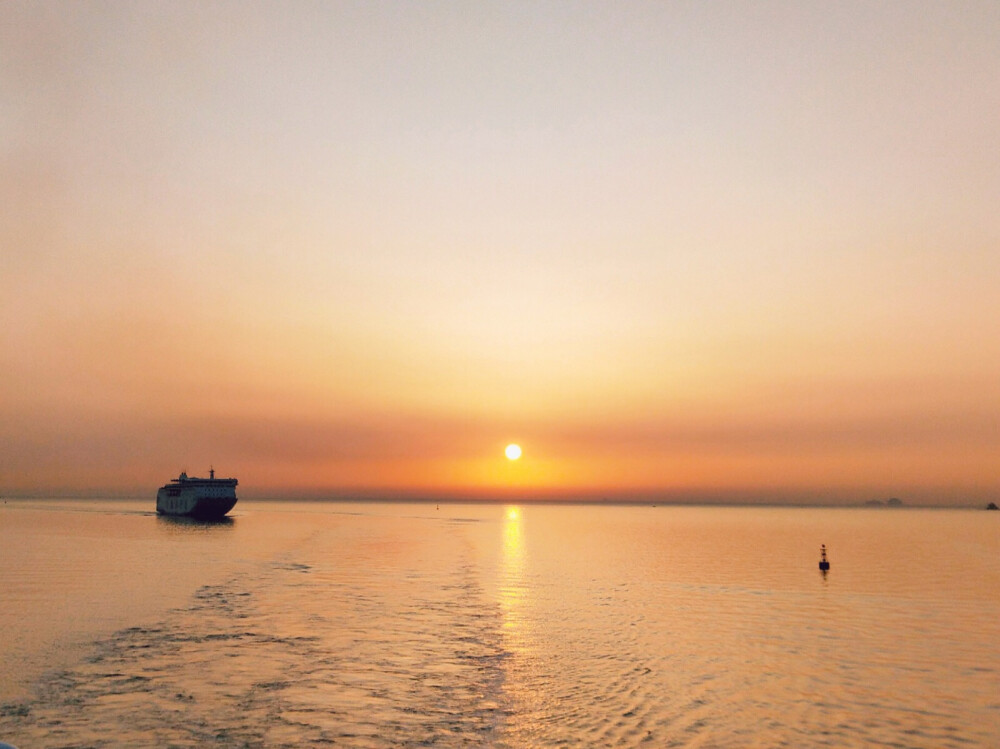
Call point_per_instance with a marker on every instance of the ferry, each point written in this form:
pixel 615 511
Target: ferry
pixel 204 499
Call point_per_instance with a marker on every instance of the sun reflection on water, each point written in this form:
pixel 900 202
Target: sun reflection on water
pixel 512 588
pixel 524 690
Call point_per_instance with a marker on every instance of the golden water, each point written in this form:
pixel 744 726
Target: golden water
pixel 489 625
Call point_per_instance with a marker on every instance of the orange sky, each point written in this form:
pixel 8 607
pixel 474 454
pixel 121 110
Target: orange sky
pixel 684 250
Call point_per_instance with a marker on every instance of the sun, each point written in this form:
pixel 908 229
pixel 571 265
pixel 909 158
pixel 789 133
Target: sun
pixel 512 451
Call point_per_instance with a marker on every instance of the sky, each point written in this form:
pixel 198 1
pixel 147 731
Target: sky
pixel 689 251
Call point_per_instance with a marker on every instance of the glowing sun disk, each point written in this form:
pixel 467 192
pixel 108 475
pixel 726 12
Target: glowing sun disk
pixel 512 451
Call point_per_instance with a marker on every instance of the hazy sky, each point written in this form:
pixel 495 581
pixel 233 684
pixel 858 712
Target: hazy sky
pixel 679 249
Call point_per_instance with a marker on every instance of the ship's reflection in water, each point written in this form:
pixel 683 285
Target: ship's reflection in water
pixel 188 523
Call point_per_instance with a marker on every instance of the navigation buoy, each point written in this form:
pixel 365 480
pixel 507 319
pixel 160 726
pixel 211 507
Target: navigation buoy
pixel 824 565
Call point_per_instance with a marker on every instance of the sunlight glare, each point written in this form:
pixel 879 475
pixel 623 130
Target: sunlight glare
pixel 513 451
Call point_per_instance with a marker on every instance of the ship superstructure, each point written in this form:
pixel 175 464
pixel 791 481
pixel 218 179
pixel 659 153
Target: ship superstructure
pixel 205 499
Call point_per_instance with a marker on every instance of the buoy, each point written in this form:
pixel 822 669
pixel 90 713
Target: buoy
pixel 824 565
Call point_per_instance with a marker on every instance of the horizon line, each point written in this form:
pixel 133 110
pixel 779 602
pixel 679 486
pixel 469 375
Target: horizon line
pixel 874 504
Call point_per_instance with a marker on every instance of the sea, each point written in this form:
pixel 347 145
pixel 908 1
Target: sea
pixel 349 624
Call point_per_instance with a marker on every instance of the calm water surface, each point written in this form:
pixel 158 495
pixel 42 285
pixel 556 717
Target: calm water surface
pixel 363 625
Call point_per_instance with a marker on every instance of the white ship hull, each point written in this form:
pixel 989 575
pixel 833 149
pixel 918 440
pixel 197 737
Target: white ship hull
pixel 205 499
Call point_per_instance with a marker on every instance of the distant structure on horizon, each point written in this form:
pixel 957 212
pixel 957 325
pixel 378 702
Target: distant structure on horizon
pixel 891 502
pixel 992 506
